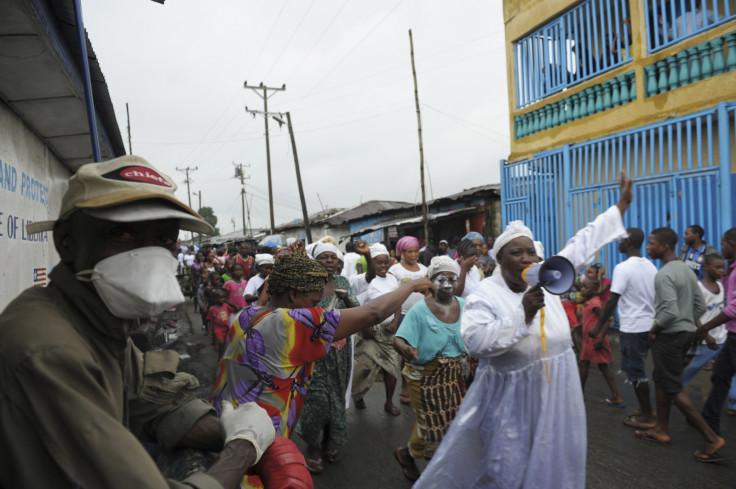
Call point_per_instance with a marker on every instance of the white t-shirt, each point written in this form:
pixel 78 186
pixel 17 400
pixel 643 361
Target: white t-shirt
pixel 633 280
pixel 472 278
pixel 349 260
pixel 402 276
pixel 714 304
pixel 358 283
pixel 255 282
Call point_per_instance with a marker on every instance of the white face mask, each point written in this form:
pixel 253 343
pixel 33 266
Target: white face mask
pixel 136 284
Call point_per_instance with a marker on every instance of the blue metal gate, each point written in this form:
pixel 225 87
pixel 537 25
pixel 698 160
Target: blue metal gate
pixel 681 168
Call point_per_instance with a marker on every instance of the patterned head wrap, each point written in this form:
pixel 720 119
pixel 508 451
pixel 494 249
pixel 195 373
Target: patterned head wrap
pixel 406 243
pixel 515 229
pixel 296 271
pixel 441 264
pixel 377 249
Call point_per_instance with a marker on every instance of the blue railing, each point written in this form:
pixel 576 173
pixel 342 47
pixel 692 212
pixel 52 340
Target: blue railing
pixel 682 172
pixel 671 21
pixel 584 42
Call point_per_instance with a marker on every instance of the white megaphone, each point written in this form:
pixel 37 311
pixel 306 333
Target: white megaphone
pixel 556 274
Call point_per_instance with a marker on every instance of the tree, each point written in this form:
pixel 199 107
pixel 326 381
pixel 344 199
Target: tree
pixel 209 215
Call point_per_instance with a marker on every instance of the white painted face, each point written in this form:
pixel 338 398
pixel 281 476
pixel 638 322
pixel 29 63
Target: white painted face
pixel 445 282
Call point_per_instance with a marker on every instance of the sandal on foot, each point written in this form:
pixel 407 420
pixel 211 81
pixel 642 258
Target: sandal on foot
pixel 645 435
pixel 314 465
pixel 635 423
pixel 393 410
pixel 708 457
pixel 610 403
pixel 408 466
pixel 360 403
pixel 333 455
pixel 404 399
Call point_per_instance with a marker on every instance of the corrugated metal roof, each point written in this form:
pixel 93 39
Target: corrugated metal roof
pixel 410 220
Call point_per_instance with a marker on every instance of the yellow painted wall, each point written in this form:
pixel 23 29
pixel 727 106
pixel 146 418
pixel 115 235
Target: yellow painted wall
pixel 524 16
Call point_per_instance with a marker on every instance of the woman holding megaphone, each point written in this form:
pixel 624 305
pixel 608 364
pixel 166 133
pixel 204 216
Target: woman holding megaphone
pixel 522 423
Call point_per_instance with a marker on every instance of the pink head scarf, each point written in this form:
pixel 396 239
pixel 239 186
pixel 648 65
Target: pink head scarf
pixel 405 243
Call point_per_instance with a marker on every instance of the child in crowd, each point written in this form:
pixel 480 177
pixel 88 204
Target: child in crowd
pixel 227 270
pixel 236 286
pixel 265 263
pixel 604 289
pixel 209 298
pixel 218 320
pixel 596 349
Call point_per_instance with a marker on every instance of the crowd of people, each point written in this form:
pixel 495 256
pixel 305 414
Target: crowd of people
pixel 489 363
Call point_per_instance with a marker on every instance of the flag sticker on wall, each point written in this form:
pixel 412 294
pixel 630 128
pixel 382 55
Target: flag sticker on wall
pixel 39 277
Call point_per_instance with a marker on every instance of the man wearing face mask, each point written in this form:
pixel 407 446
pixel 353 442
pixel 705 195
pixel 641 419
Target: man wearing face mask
pixel 77 396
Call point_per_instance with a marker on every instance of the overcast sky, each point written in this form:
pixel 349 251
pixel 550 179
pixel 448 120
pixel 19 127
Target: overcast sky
pixel 347 69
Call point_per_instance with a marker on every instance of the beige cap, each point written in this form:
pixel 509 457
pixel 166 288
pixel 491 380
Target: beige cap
pixel 121 181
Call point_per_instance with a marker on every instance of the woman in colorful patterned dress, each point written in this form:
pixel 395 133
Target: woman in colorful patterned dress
pixel 272 349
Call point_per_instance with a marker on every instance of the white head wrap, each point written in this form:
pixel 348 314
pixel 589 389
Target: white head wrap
pixel 377 249
pixel 515 229
pixel 539 247
pixel 441 264
pixel 320 248
pixel 264 258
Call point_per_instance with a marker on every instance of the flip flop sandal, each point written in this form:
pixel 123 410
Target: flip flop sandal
pixel 408 467
pixel 644 435
pixel 610 403
pixel 333 455
pixel 404 399
pixel 634 423
pixel 315 465
pixel 708 457
pixel 393 410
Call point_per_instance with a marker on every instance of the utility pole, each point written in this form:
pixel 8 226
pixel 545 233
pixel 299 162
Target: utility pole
pixel 189 193
pixel 239 173
pixel 305 214
pixel 130 143
pixel 188 181
pixel 265 96
pixel 199 194
pixel 421 147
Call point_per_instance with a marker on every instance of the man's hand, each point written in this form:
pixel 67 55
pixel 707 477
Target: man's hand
pixel 423 285
pixel 248 422
pixel 598 343
pixel 594 331
pixel 655 330
pixel 711 342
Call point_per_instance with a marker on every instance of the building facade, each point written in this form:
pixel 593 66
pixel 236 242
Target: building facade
pixel 597 86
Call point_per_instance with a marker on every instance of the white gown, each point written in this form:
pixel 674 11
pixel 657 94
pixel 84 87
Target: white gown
pixel 513 429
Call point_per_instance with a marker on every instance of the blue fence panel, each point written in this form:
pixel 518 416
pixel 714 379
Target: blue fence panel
pixel 671 21
pixel 584 42
pixel 681 168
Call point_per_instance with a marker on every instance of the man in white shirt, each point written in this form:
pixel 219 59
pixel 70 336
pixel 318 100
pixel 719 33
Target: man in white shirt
pixel 632 289
pixel 349 260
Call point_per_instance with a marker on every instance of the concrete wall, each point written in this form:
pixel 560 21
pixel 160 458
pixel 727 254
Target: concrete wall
pixel 32 183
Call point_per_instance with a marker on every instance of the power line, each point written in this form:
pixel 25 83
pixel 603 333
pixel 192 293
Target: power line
pixel 351 51
pixel 288 42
